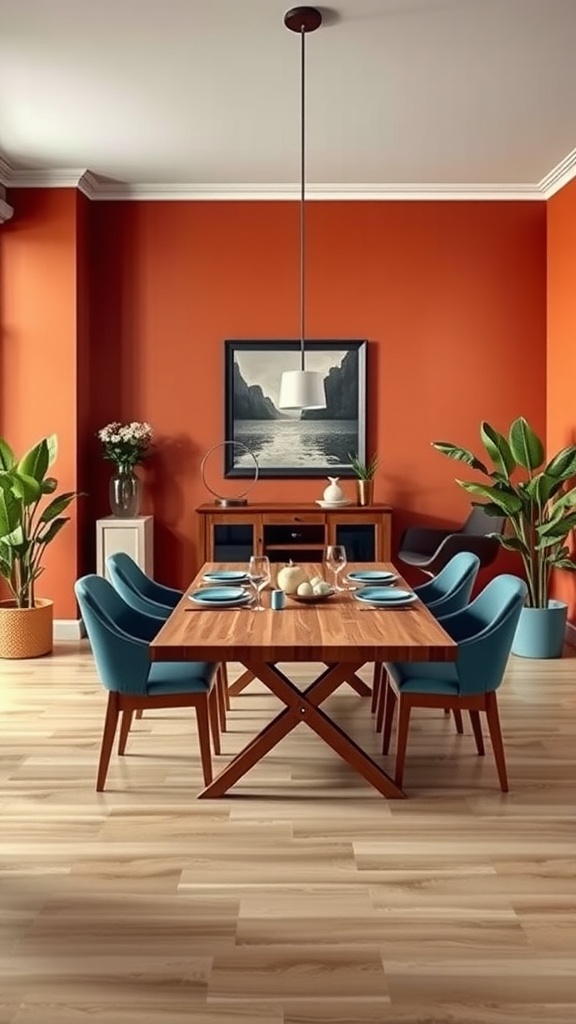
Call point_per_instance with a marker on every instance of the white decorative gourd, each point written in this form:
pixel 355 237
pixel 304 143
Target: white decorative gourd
pixel 290 577
pixel 333 493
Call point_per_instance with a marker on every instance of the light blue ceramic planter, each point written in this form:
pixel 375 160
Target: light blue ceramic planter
pixel 540 631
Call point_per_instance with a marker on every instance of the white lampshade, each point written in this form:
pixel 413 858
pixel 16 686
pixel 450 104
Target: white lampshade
pixel 302 389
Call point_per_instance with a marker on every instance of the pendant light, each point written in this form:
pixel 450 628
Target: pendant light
pixel 302 389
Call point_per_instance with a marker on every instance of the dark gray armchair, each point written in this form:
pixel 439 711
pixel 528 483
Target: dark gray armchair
pixel 429 549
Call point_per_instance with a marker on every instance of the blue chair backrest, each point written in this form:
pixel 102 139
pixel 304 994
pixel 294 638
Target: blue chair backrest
pixel 118 635
pixel 485 632
pixel 450 590
pixel 137 589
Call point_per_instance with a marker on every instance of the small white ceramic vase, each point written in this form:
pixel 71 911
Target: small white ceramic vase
pixel 333 493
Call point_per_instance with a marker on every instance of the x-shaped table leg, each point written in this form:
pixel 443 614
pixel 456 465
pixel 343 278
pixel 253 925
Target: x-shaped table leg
pixel 353 680
pixel 302 707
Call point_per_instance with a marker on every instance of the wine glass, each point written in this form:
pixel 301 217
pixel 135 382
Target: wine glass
pixel 335 559
pixel 259 575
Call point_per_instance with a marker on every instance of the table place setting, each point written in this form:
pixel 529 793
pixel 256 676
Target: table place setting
pixel 385 597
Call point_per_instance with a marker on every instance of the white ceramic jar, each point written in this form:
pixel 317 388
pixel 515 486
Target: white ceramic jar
pixel 333 493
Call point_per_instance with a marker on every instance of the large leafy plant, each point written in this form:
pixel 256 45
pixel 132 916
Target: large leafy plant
pixel 27 523
pixel 533 493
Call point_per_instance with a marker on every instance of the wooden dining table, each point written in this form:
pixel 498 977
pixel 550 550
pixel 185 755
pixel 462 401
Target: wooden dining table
pixel 340 633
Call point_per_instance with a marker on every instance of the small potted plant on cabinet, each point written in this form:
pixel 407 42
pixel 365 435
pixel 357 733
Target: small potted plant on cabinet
pixel 27 525
pixel 541 511
pixel 365 473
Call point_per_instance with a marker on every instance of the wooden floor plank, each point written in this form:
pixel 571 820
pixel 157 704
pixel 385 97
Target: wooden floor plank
pixel 300 898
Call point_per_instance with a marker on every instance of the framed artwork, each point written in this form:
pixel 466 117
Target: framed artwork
pixel 294 443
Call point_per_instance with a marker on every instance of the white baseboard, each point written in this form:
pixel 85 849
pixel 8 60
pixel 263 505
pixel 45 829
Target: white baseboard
pixel 571 634
pixel 69 629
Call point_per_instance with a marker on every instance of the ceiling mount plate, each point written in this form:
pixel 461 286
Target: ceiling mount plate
pixel 306 19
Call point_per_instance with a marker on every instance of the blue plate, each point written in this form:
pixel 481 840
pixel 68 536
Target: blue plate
pixel 383 597
pixel 220 595
pixel 372 576
pixel 225 576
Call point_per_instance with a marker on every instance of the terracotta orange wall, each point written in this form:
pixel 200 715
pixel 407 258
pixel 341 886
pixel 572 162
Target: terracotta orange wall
pixel 450 295
pixel 561 368
pixel 39 357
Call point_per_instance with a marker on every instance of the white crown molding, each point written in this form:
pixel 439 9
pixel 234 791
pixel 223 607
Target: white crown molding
pixel 273 192
pixel 559 175
pixel 97 188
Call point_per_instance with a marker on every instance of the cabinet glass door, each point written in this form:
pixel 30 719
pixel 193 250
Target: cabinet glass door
pixel 359 539
pixel 233 542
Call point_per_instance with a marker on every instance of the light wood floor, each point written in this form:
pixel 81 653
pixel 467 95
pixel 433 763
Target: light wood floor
pixel 303 897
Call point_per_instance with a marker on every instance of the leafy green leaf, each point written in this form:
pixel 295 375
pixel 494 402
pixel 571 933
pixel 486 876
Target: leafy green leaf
pixel 7 457
pixel 563 465
pixel 513 544
pixel 26 487
pixel 509 502
pixel 35 462
pixel 57 506
pixel 498 449
pixel 525 445
pixel 452 451
pixel 50 531
pixel 563 563
pixel 10 512
pixel 49 485
pixel 52 445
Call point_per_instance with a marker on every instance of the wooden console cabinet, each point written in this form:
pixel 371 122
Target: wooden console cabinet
pixel 299 532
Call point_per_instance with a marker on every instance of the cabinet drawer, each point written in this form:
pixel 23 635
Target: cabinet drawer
pixel 286 518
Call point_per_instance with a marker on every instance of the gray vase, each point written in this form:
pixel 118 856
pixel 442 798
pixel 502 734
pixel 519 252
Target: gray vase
pixel 540 632
pixel 124 494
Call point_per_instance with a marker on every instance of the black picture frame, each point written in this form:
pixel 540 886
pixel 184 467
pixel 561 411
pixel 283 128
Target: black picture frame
pixel 252 378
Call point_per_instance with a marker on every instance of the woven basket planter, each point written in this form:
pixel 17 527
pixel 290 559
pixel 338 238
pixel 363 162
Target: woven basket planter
pixel 26 632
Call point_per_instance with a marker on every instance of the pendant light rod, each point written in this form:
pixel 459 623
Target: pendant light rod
pixel 303 20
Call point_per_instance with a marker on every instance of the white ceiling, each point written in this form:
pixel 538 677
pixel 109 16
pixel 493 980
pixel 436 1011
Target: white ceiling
pixel 205 93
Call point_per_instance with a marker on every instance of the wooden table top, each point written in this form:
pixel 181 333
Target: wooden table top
pixel 337 630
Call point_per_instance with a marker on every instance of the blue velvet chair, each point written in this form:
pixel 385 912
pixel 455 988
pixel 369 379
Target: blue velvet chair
pixel 137 589
pixel 145 595
pixel 448 592
pixel 484 632
pixel 119 637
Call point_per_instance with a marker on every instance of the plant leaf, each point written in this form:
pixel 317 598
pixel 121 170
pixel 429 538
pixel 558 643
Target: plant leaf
pixel 50 531
pixel 498 449
pixel 35 462
pixel 10 512
pixel 52 445
pixel 563 563
pixel 7 457
pixel 513 544
pixel 453 451
pixel 509 502
pixel 57 506
pixel 26 487
pixel 525 445
pixel 563 465
pixel 49 485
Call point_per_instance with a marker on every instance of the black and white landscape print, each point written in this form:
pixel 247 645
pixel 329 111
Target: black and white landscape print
pixel 295 443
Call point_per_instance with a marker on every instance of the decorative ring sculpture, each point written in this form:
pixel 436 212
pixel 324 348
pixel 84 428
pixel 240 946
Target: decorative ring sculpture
pixel 219 499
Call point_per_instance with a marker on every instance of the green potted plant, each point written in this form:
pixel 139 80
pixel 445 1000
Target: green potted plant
pixel 365 473
pixel 540 507
pixel 28 524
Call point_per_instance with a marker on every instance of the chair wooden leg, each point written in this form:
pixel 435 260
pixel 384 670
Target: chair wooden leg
pixel 124 730
pixel 382 696
pixel 390 707
pixel 214 718
pixel 202 720
pixel 402 738
pixel 110 723
pixel 477 730
pixel 458 721
pixel 496 738
pixel 224 674
pixel 220 693
pixel 376 684
pixel 139 713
